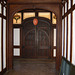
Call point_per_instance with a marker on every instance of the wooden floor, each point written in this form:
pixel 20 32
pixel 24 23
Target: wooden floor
pixel 33 67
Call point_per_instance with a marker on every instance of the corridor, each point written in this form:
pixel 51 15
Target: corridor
pixel 33 67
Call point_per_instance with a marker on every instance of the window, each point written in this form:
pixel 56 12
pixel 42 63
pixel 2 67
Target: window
pixel 0 47
pixel 69 35
pixel 4 12
pixel 73 46
pixel 73 2
pixel 69 4
pixel 53 18
pixel 16 36
pixel 16 52
pixel 54 37
pixel 65 7
pixel 4 43
pixel 44 14
pixel 62 10
pixel 17 18
pixel 54 52
pixel 65 34
pixel 62 35
pixel 28 14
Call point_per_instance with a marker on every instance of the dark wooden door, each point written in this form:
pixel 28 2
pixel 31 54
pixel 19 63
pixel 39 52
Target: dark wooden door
pixel 36 39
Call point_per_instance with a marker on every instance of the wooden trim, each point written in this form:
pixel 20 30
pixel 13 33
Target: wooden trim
pixel 7 50
pixel 2 72
pixel 67 40
pixel 67 35
pixel 16 46
pixel 69 11
pixel 71 42
pixel 37 1
pixel 1 15
pixel 64 34
pixel 21 41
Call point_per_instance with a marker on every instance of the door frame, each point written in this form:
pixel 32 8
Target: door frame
pixel 13 8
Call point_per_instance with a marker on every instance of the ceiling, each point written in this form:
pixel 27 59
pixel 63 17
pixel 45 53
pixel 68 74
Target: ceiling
pixel 34 1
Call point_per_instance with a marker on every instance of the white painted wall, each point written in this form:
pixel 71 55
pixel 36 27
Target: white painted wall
pixel 0 48
pixel 73 47
pixel 4 43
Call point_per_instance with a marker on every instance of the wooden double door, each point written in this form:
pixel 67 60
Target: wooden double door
pixel 36 39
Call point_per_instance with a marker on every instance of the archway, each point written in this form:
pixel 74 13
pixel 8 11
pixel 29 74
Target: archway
pixel 10 31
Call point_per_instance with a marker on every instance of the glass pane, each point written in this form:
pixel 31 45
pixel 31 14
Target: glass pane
pixel 65 33
pixel 54 37
pixel 0 46
pixel 73 2
pixel 16 52
pixel 4 2
pixel 4 43
pixel 73 44
pixel 53 18
pixel 62 35
pixel 65 7
pixel 16 36
pixel 62 11
pixel 28 15
pixel 54 52
pixel 4 12
pixel 69 5
pixel 44 14
pixel 0 8
pixel 17 18
pixel 69 33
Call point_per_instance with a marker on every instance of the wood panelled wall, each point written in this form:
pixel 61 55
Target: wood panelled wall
pixel 67 19
pixel 3 35
pixel 13 8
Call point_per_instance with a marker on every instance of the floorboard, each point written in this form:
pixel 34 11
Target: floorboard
pixel 33 67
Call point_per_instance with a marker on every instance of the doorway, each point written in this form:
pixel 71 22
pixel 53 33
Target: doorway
pixel 36 39
pixel 32 41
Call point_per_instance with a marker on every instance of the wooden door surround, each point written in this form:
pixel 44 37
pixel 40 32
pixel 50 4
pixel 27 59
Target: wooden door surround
pixel 36 39
pixel 13 8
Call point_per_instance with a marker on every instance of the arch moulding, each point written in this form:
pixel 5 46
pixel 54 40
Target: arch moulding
pixel 13 8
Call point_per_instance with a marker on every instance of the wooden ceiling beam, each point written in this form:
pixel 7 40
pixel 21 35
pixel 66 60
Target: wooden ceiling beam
pixel 34 1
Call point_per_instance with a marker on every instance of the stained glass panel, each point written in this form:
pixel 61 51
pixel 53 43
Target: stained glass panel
pixel 28 15
pixel 44 14
pixel 17 18
pixel 53 18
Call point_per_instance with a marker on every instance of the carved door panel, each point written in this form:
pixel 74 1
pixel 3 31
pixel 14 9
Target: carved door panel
pixel 36 39
pixel 43 44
